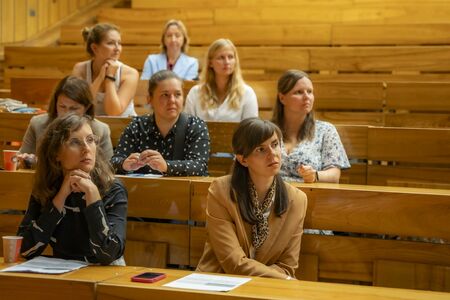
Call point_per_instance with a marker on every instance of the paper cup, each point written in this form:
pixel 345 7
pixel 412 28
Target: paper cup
pixel 10 159
pixel 11 248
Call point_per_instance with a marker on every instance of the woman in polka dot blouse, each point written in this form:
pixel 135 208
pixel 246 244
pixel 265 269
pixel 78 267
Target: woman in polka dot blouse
pixel 148 144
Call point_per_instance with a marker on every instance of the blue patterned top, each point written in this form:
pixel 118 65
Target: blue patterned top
pixel 324 151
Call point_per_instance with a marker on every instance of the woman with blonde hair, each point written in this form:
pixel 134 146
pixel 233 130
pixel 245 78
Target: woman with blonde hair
pixel 113 84
pixel 174 45
pixel 222 94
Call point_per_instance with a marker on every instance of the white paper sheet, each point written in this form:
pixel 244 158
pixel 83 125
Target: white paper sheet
pixel 47 265
pixel 144 175
pixel 205 282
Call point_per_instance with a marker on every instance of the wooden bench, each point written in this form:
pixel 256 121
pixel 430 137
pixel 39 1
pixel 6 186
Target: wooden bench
pixel 285 12
pixel 408 157
pixel 397 156
pixel 207 24
pixel 256 60
pixel 362 210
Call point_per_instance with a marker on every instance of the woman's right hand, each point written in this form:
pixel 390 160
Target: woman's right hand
pixel 132 162
pixel 26 160
pixel 63 193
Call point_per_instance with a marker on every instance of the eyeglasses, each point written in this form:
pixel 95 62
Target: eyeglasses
pixel 76 144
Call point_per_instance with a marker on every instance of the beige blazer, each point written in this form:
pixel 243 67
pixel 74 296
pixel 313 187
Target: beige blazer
pixel 229 249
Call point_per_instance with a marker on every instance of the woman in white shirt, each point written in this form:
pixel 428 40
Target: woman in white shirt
pixel 222 94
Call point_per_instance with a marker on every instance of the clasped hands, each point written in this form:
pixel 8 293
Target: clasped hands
pixel 148 157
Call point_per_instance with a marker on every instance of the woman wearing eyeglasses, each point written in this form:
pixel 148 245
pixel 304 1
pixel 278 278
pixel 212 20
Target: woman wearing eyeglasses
pixel 71 94
pixel 254 220
pixel 76 205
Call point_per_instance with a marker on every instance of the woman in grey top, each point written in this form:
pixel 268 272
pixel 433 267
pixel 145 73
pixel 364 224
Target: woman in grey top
pixel 312 150
pixel 71 94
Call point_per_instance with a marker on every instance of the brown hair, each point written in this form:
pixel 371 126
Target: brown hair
pixel 96 34
pixel 286 83
pixel 249 134
pixel 49 174
pixel 208 88
pixel 161 76
pixel 75 89
pixel 182 28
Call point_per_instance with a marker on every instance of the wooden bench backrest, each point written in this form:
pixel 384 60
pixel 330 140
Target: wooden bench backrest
pixel 419 96
pixel 357 209
pixel 207 24
pixel 262 59
pixel 285 12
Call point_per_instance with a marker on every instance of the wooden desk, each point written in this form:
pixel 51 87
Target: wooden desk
pixel 79 284
pixel 120 287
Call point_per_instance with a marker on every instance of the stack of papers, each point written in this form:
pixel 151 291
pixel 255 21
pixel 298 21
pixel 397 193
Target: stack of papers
pixel 205 282
pixel 47 265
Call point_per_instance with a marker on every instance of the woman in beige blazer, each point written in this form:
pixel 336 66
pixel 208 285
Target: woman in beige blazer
pixel 254 219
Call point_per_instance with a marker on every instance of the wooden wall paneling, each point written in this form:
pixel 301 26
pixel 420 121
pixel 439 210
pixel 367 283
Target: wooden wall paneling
pixel 20 20
pixel 32 17
pixel 43 14
pixel 7 21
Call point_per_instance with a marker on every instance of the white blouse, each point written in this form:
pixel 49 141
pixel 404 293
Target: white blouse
pixel 248 107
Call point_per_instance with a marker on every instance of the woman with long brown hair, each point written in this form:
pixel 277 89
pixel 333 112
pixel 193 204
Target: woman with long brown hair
pixel 76 205
pixel 312 150
pixel 254 220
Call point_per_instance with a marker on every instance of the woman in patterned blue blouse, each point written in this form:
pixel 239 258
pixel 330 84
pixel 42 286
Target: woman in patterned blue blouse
pixel 312 150
pixel 168 141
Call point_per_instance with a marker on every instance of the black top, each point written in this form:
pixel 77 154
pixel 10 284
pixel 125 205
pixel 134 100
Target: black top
pixel 95 233
pixel 142 134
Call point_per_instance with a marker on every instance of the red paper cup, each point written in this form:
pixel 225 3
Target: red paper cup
pixel 10 159
pixel 11 248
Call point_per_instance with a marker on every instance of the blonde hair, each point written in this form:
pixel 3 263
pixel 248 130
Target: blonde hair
pixel 183 30
pixel 208 87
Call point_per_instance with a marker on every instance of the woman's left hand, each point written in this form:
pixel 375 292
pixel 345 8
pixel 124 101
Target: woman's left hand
pixel 154 159
pixel 112 67
pixel 308 173
pixel 80 181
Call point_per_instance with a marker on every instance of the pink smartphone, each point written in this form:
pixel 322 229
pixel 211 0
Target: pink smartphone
pixel 148 277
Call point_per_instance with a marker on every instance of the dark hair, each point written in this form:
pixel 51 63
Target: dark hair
pixel 77 90
pixel 183 30
pixel 49 174
pixel 161 76
pixel 249 134
pixel 95 34
pixel 286 83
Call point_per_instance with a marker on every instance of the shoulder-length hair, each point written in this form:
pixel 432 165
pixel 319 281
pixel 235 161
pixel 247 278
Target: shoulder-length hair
pixel 75 89
pixel 49 173
pixel 208 87
pixel 182 28
pixel 96 34
pixel 286 83
pixel 251 133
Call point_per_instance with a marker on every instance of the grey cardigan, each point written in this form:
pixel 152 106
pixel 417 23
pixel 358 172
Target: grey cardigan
pixel 38 124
